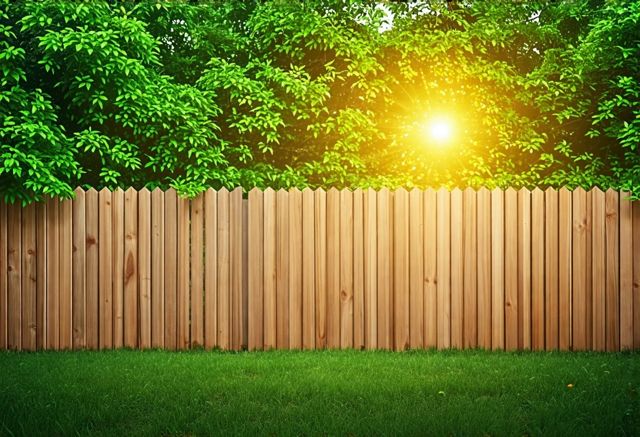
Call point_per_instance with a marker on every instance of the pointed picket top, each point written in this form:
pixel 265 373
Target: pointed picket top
pixel 223 190
pixel 524 191
pixel 401 192
pixel 470 191
pixel 384 190
pixel 511 191
pixel 320 190
pixel 132 190
pixel 255 191
pixel 144 191
pixel 294 190
pixel 611 191
pixel 157 191
pixel 281 192
pixel 91 191
pixel 456 190
pixel 415 191
pixel 169 191
pixel 371 192
pixel 430 191
pixel 78 191
pixel 483 190
pixel 497 190
pixel 238 190
pixel 305 190
pixel 579 190
pixel 550 190
pixel 105 190
pixel 537 191
pixel 443 190
pixel 119 190
pixel 357 190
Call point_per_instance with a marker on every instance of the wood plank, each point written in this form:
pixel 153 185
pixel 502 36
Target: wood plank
pixel 79 271
pixel 401 298
pixel 598 272
pixel 117 223
pixel 295 269
pixel 256 252
pixel 320 234
pixel 430 270
pixel 551 270
pixel 346 269
pixel 588 269
pixel 53 272
pixel 236 267
pixel 537 269
pixel 497 269
pixel 626 272
pixel 93 266
pixel 371 269
pixel 224 295
pixel 144 267
pixel 511 302
pixel 579 291
pixel 245 274
pixel 484 268
pixel 3 275
pixel 636 275
pixel 157 268
pixel 470 240
pixel 104 272
pixel 308 270
pixel 28 316
pixel 385 270
pixel 444 269
pixel 269 257
pixel 210 271
pixel 613 265
pixel 14 277
pixel 170 269
pixel 282 269
pixel 358 270
pixel 197 272
pixel 524 269
pixel 457 270
pixel 565 264
pixel 416 269
pixel 41 274
pixel 333 269
pixel 183 297
pixel 66 273
pixel 130 280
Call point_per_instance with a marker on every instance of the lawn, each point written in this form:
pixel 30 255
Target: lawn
pixel 319 393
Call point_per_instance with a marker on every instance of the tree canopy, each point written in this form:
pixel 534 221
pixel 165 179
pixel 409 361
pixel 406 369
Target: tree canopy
pixel 318 93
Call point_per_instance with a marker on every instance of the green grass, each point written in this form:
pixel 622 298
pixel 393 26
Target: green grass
pixel 313 393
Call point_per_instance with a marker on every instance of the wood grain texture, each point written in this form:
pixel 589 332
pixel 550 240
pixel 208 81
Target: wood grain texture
pixel 511 302
pixel 79 271
pixel 416 269
pixel 551 269
pixel 3 275
pixel 182 282
pixel 430 269
pixel 371 269
pixel 497 269
pixel 308 270
pixel 613 266
pixel 224 280
pixel 93 265
pixel 401 269
pixel 269 279
pixel 157 268
pixel 282 270
pixel 66 274
pixel 470 239
pixel 28 307
pixel 144 268
pixel 118 239
pixel 598 270
pixel 579 270
pixel 130 280
pixel 256 293
pixel 385 272
pixel 443 269
pixel 636 275
pixel 484 268
pixel 346 269
pixel 524 269
pixel 320 237
pixel 14 279
pixel 197 272
pixel 626 272
pixel 457 270
pixel 295 269
pixel 41 275
pixel 358 270
pixel 236 268
pixel 333 268
pixel 105 273
pixel 211 271
pixel 537 269
pixel 565 264
pixel 170 269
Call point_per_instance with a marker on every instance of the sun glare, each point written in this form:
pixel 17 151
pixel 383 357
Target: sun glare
pixel 438 130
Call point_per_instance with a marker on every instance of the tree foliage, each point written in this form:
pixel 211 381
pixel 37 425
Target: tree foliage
pixel 316 93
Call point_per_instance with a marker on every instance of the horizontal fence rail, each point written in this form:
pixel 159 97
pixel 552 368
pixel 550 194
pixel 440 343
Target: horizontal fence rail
pixel 363 269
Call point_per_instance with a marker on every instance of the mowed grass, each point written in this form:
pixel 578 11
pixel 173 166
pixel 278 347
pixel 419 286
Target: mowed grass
pixel 319 393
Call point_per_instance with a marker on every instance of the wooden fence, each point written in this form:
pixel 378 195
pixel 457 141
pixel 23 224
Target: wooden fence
pixel 314 269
